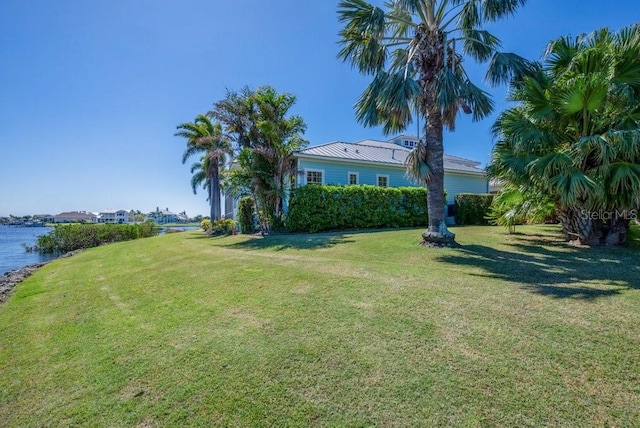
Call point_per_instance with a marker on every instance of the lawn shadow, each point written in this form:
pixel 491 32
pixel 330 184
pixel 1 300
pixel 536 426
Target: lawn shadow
pixel 292 241
pixel 546 265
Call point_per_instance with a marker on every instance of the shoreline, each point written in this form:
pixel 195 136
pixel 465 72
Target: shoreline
pixel 9 280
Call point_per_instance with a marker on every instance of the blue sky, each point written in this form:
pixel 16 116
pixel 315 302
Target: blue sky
pixel 91 91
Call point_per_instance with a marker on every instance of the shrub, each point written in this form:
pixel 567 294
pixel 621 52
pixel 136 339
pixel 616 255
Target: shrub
pixel 245 214
pixel 206 225
pixel 315 208
pixel 224 227
pixel 472 208
pixel 70 237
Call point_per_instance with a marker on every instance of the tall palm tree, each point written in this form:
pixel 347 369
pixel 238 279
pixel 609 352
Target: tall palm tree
pixel 414 50
pixel 575 134
pixel 206 138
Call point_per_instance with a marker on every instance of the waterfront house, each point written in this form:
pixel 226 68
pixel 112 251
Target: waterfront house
pixel 75 217
pixel 377 163
pixel 382 163
pixel 115 216
pixel 165 216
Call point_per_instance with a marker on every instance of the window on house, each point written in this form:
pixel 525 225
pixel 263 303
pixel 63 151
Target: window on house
pixel 353 178
pixel 314 177
pixel 383 180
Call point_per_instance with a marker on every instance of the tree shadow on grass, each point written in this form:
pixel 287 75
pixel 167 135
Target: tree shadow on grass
pixel 547 266
pixel 292 241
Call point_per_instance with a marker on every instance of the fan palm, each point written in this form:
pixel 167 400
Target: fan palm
pixel 206 138
pixel 575 133
pixel 414 51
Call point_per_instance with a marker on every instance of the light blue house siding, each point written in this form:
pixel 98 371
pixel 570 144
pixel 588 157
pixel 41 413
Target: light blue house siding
pixel 338 173
pixel 463 183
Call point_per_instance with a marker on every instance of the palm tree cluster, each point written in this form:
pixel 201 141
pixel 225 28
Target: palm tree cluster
pixel 574 135
pixel 255 127
pixel 414 51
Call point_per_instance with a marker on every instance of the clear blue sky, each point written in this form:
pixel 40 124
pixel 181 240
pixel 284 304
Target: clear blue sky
pixel 91 91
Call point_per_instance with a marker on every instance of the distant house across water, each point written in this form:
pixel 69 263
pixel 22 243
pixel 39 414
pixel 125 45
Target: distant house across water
pixel 165 216
pixel 115 217
pixel 75 217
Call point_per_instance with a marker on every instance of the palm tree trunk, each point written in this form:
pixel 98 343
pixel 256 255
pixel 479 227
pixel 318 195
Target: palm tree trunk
pixel 437 232
pixel 216 212
pixel 578 226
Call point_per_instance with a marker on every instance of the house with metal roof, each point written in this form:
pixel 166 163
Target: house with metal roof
pixel 377 163
pixel 382 163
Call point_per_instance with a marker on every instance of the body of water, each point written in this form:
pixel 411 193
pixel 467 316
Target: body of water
pixel 12 253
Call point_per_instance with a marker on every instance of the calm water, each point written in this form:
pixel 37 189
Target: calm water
pixel 12 253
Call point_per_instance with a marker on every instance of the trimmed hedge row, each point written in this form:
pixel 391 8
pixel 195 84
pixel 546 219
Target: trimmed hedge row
pixel 69 237
pixel 473 208
pixel 314 208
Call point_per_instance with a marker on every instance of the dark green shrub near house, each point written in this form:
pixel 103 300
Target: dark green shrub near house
pixel 472 208
pixel 245 214
pixel 314 208
pixel 70 237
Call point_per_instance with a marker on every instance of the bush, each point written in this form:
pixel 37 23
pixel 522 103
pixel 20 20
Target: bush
pixel 314 208
pixel 206 225
pixel 245 214
pixel 472 208
pixel 70 237
pixel 224 227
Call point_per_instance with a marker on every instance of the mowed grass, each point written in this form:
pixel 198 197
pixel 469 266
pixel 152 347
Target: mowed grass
pixel 336 329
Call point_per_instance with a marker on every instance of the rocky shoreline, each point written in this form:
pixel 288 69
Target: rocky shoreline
pixel 9 280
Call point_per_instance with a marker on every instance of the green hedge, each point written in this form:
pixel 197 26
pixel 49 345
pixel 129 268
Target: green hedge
pixel 245 214
pixel 472 208
pixel 313 208
pixel 69 237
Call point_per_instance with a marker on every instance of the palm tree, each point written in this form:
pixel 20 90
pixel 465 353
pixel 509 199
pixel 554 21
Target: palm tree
pixel 575 134
pixel 414 50
pixel 205 137
pixel 199 177
pixel 266 136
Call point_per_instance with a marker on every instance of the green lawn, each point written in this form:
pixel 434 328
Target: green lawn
pixel 337 329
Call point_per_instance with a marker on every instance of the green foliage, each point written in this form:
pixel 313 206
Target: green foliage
pixel 472 208
pixel 205 225
pixel 574 134
pixel 315 208
pixel 415 52
pixel 245 214
pixel 511 207
pixel 267 135
pixel 70 237
pixel 224 227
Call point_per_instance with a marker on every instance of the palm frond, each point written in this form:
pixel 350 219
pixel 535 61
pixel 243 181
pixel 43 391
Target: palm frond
pixel 479 44
pixel 505 66
pixel 478 100
pixel 493 10
pixel 387 101
pixel 416 164
pixel 363 34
